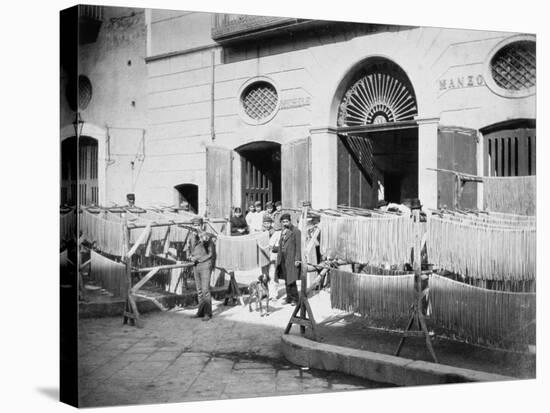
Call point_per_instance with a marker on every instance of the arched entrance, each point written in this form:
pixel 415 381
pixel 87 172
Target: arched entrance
pixel 188 193
pixel 260 172
pixel 79 174
pixel 378 136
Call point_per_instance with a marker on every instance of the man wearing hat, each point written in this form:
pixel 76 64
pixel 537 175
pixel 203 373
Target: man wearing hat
pixel 131 200
pixel 200 251
pixel 288 264
pixel 272 249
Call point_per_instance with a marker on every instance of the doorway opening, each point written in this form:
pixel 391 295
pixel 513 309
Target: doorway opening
pixel 79 176
pixel 378 166
pixel 378 136
pixel 188 193
pixel 260 172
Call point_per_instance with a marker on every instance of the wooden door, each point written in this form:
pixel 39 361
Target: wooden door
pixel 456 151
pixel 79 176
pixel 295 173
pixel 257 184
pixel 87 171
pixel 68 171
pixel 353 188
pixel 218 181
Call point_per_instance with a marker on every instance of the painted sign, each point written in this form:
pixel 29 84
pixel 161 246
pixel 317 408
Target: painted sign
pixel 461 82
pixel 295 102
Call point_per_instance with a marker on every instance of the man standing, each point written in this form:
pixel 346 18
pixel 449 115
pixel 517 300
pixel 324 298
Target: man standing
pixel 288 259
pixel 201 252
pixel 272 249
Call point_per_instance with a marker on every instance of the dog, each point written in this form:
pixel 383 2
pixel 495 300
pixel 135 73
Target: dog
pixel 258 291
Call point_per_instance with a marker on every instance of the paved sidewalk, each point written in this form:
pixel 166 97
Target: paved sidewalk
pixel 177 358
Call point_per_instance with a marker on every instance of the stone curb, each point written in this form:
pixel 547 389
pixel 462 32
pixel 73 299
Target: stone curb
pixel 377 366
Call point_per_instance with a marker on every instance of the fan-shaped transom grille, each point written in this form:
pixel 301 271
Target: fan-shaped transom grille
pixel 259 100
pixel 514 66
pixel 375 98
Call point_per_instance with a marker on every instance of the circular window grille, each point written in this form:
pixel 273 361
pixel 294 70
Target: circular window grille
pixel 513 67
pixel 259 100
pixel 378 97
pixel 84 92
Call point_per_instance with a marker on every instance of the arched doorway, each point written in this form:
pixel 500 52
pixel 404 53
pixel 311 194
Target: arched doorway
pixel 188 193
pixel 378 136
pixel 79 174
pixel 260 172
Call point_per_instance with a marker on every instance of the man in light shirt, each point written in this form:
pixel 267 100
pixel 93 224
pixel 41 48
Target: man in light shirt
pixel 272 249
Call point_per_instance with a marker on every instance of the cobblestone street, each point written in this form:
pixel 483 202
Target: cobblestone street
pixel 177 358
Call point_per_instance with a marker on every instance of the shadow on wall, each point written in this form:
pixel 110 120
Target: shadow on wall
pixel 314 33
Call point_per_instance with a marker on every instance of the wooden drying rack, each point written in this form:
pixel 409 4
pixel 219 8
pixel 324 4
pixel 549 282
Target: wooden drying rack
pixel 306 318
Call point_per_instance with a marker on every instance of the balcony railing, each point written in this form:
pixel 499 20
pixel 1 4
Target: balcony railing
pixel 91 12
pixel 230 26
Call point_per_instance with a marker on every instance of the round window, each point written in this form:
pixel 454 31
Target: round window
pixel 259 101
pixel 513 68
pixel 79 93
pixel 84 92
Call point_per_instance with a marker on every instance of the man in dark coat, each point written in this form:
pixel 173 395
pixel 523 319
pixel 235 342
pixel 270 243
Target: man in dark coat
pixel 288 259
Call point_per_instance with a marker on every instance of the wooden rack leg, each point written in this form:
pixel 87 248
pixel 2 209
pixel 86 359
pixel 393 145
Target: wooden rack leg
pixel 233 293
pixel 409 325
pixel 306 318
pixel 131 314
pixel 417 317
pixel 427 336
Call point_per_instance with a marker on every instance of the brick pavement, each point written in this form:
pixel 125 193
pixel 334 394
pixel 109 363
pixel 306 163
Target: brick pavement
pixel 177 358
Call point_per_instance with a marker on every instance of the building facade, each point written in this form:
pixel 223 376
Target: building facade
pixel 233 108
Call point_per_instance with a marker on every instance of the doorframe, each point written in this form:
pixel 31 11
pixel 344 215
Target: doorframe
pixel 100 135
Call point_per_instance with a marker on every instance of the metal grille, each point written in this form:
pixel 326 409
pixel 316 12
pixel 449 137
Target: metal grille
pixel 514 66
pixel 377 98
pixel 84 92
pixel 259 100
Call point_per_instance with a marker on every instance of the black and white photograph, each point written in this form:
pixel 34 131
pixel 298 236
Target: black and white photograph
pixel 254 206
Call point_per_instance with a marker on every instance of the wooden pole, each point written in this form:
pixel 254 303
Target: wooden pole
pixel 306 318
pixel 142 237
pixel 416 308
pixel 163 267
pixel 303 269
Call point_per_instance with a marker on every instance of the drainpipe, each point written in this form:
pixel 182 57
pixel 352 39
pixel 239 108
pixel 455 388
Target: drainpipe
pixel 212 97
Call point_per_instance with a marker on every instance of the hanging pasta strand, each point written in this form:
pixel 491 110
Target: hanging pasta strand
pixel 483 251
pixel 381 239
pixel 106 233
pixel 389 296
pixel 110 274
pixel 515 194
pixel 241 253
pixel 483 316
pixel 67 226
